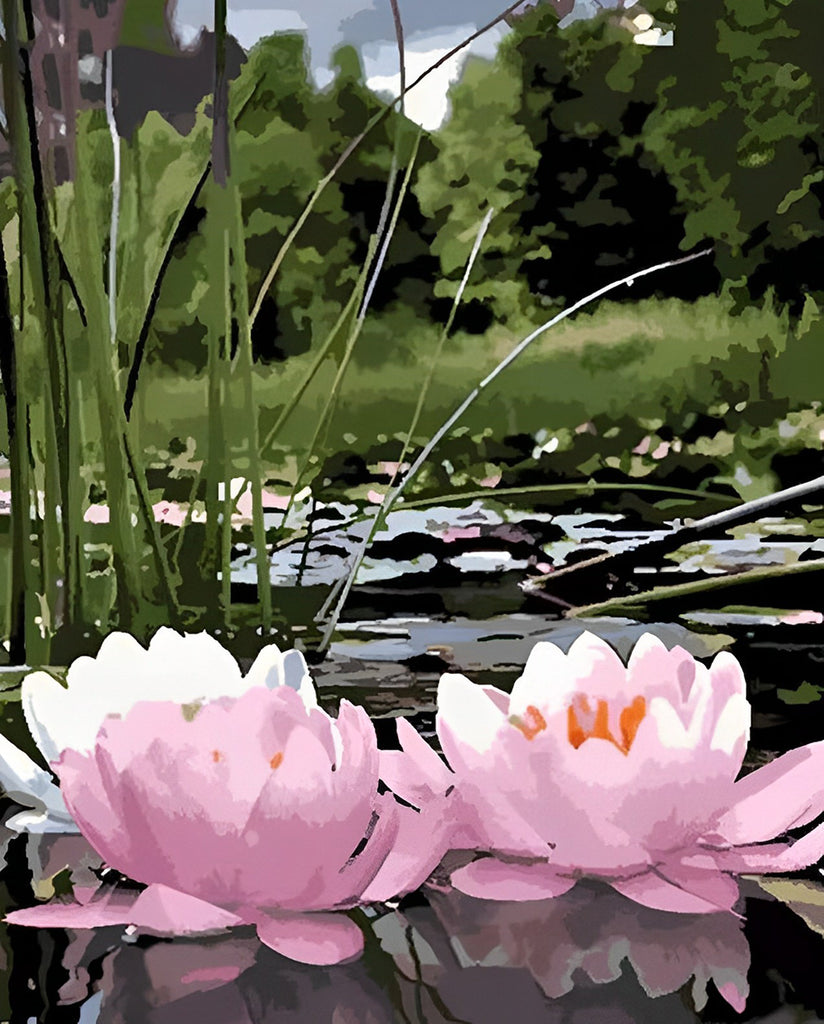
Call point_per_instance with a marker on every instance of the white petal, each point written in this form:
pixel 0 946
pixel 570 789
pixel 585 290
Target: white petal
pixel 267 669
pixel 117 649
pixel 272 668
pixel 192 666
pixel 20 777
pixel 670 729
pixel 42 822
pixel 732 730
pixel 727 678
pixel 543 683
pixel 472 716
pixel 595 668
pixel 296 675
pixel 44 703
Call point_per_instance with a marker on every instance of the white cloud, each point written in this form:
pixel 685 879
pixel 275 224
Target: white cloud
pixel 427 103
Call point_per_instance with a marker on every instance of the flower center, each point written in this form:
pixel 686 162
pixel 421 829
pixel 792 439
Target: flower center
pixel 585 722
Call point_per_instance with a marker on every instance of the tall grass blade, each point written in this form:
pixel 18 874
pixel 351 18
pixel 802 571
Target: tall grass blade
pixel 244 369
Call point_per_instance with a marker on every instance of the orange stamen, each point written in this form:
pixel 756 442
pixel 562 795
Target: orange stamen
pixel 600 727
pixel 596 725
pixel 217 756
pixel 531 724
pixel 631 718
pixel 575 730
pixel 275 761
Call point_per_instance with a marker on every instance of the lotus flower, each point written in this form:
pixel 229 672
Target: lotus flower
pixel 626 774
pixel 182 668
pixel 252 808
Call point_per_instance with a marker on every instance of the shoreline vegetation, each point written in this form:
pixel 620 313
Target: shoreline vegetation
pixel 299 288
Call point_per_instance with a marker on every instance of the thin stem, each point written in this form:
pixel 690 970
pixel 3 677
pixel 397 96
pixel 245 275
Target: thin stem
pixel 308 377
pixel 38 263
pixel 146 323
pixel 115 209
pixel 220 100
pixel 681 534
pixel 445 427
pixel 245 365
pixel 635 605
pixel 18 482
pixel 396 17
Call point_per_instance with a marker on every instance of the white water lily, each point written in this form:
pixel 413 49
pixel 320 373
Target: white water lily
pixel 189 669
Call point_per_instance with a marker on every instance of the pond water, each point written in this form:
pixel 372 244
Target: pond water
pixel 590 956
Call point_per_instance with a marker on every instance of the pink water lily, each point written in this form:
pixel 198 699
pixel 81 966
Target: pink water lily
pixel 627 774
pixel 256 809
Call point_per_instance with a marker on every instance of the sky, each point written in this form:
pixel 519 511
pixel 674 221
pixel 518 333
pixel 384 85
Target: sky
pixel 431 29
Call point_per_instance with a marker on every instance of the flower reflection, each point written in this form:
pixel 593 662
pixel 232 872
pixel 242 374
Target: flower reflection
pixel 221 981
pixel 576 941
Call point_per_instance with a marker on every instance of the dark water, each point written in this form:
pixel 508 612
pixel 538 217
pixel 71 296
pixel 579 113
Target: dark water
pixel 590 956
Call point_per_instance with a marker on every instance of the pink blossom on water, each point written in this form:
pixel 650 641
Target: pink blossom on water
pixel 624 773
pixel 453 533
pixel 491 481
pixel 170 512
pixel 802 618
pixel 237 801
pixel 96 514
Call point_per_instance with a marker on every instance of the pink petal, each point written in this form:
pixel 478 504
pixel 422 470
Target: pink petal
pixel 156 909
pixel 345 885
pixel 773 858
pixel 655 671
pixel 727 678
pixel 492 879
pixel 169 912
pixel 312 938
pixel 494 806
pixel 415 772
pixel 418 848
pixel 594 668
pixel 683 892
pixel 111 909
pixel 787 793
pixel 730 991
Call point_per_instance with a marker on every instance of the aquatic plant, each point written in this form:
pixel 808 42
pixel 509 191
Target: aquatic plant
pixel 625 774
pixel 234 798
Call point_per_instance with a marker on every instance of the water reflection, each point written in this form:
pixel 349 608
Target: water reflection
pixel 590 948
pixel 590 956
pixel 230 980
